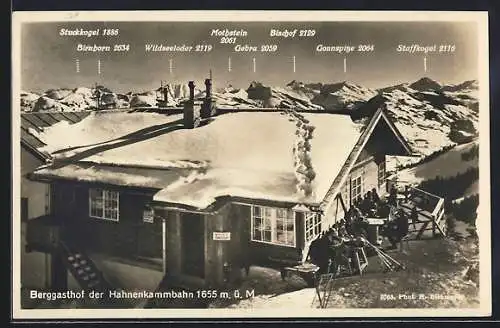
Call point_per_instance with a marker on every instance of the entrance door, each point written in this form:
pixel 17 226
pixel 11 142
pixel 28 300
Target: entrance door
pixel 193 245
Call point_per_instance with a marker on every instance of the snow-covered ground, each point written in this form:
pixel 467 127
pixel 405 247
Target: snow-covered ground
pixel 445 165
pixel 472 190
pixel 434 268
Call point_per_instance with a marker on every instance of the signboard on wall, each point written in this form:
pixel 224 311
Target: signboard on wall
pixel 221 236
pixel 148 216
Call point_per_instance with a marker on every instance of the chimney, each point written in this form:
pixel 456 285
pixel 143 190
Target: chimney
pixel 191 91
pixel 208 85
pixel 191 116
pixel 165 93
pixel 208 109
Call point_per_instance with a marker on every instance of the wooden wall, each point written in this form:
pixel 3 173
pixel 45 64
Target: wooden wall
pixel 173 243
pixel 129 237
pixel 238 252
pixel 367 165
pixel 245 251
pixel 37 194
pixel 217 252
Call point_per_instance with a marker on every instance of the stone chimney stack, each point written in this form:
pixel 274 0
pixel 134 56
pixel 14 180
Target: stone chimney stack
pixel 191 91
pixel 191 115
pixel 208 109
pixel 165 93
pixel 208 85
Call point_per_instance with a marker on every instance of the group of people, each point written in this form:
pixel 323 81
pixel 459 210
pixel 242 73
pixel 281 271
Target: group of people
pixel 370 204
pixel 335 245
pixel 332 249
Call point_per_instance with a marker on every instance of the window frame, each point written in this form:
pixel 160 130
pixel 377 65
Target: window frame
pixel 380 182
pixel 319 223
pixel 273 225
pixel 361 183
pixel 104 192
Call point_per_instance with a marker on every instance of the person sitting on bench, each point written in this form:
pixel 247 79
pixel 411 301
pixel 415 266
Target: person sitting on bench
pixel 359 227
pixel 375 196
pixel 318 253
pixel 336 251
pixel 334 238
pixel 366 205
pixel 353 215
pixel 377 204
pixel 403 225
pixel 414 217
pixel 343 229
pixel 397 228
pixel 358 202
pixel 355 212
pixel 392 199
pixel 348 225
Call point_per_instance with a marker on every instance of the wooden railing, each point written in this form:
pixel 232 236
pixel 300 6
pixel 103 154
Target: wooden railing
pixel 430 209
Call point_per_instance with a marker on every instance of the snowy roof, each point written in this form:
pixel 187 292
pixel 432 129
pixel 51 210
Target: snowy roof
pixel 278 156
pixel 35 122
pixel 116 175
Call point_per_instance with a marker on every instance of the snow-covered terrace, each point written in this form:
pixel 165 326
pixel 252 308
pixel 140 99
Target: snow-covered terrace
pixel 244 154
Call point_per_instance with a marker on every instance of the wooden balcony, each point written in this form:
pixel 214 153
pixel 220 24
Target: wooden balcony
pixel 430 210
pixel 43 234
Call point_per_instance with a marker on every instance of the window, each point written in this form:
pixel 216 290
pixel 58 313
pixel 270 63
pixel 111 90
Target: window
pixel 104 204
pixel 381 173
pixel 313 225
pixel 285 228
pixel 261 220
pixel 356 188
pixel 272 225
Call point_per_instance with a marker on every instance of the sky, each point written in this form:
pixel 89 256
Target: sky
pixel 48 60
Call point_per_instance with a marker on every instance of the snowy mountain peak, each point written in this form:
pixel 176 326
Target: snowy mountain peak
pixel 401 87
pixel 255 84
pixel 346 86
pixel 295 84
pixel 467 85
pixel 426 84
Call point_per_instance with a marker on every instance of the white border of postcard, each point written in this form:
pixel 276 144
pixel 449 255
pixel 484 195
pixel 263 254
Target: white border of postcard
pixel 483 225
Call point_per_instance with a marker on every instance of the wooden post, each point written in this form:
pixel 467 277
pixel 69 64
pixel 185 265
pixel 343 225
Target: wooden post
pixel 350 191
pixel 319 296
pixel 48 271
pixel 164 244
pixel 300 233
pixel 219 249
pixel 177 243
pixel 433 227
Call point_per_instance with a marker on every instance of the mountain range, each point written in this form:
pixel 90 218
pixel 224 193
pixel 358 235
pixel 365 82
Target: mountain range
pixel 429 114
